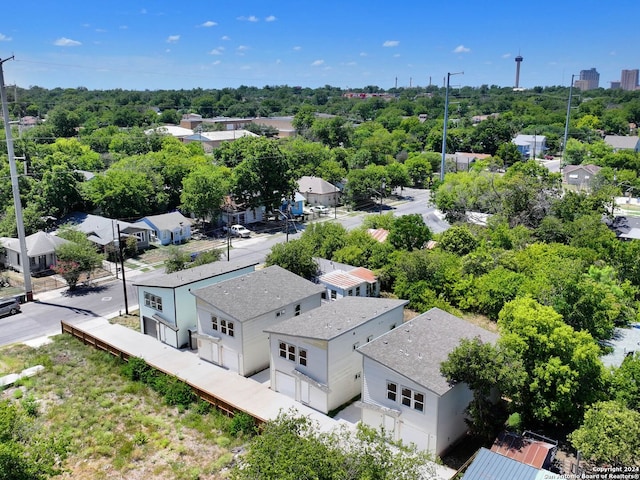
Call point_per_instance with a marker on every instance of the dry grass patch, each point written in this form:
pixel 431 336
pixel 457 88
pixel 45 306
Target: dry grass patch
pixel 115 428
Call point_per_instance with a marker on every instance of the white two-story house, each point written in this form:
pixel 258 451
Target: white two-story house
pixel 233 316
pixel 167 308
pixel 313 356
pixel 402 388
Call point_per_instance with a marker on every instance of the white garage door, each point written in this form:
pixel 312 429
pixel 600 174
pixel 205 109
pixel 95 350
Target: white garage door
pixel 230 359
pixel 286 384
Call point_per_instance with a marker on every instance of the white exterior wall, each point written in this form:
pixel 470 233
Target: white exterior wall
pixel 317 369
pixel 255 345
pixel 451 409
pixel 410 426
pixel 250 344
pixel 345 362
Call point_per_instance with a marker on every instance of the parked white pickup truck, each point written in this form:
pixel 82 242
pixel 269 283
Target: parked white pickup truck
pixel 238 231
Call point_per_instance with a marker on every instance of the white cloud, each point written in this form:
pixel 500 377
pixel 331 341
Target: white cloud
pixel 397 55
pixel 66 42
pixel 317 63
pixel 506 55
pixel 217 62
pixel 209 23
pixel 250 18
pixel 242 48
pixel 173 38
pixel 4 38
pixel 216 51
pixel 297 48
pixel 613 53
pixel 461 49
pixel 226 38
pixel 391 43
pixel 270 18
pixel 363 54
pixel 123 27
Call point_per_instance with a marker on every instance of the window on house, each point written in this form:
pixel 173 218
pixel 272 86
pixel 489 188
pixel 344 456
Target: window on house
pixel 281 312
pixel 369 338
pixel 350 293
pixel 357 376
pixel 392 391
pixel 293 353
pixel 357 291
pixel 406 397
pixel 356 345
pixel 214 322
pixel 153 301
pixel 297 312
pixel 302 357
pixel 334 294
pixel 226 327
pixel 418 401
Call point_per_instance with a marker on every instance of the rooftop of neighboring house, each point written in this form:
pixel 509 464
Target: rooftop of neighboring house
pixel 378 234
pixel 258 293
pixel 488 464
pixel 39 243
pixel 416 348
pixel 173 130
pixel 592 169
pixel 331 320
pixel 195 274
pixel 100 230
pixel 316 185
pixel 226 135
pixel 168 221
pixel 622 142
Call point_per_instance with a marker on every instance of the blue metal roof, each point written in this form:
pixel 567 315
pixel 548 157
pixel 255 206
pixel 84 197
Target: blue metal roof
pixel 489 465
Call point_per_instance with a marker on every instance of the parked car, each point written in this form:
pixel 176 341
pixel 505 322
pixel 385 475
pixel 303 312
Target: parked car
pixel 319 209
pixel 9 306
pixel 238 231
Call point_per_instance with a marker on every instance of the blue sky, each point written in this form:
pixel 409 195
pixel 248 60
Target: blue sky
pixel 176 44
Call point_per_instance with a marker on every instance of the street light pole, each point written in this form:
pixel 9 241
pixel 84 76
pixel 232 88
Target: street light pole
pixel 17 203
pixel 444 129
pixel 566 123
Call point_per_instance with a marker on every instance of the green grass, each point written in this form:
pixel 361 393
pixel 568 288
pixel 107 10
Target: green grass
pixel 115 427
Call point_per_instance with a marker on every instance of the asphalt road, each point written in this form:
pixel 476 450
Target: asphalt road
pixel 42 317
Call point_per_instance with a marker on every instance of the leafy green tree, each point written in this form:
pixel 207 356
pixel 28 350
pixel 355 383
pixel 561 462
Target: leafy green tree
pixel 75 258
pixel 364 454
pixel 365 184
pixel 60 191
pixel 397 175
pixel 64 122
pixel 325 238
pixel 418 169
pixel 125 194
pixel 409 232
pixel 204 189
pixel 458 239
pixel 625 382
pixel 609 434
pixel 332 132
pixel 489 372
pixel 563 370
pixel 295 256
pixel 263 177
pixel 509 154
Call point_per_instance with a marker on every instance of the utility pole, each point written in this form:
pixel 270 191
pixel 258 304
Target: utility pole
pixel 444 129
pixel 566 123
pixel 26 265
pixel 124 282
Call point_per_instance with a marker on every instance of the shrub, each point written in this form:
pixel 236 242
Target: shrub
pixel 242 423
pixel 178 393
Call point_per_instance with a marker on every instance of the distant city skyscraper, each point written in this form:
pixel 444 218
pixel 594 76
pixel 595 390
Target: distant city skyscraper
pixel 518 62
pixel 589 79
pixel 629 79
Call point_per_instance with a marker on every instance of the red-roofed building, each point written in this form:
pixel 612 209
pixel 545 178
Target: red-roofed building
pixel 536 452
pixel 359 282
pixel 379 234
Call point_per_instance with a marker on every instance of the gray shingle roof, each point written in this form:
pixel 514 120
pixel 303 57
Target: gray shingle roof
pixel 257 293
pixel 39 243
pixel 418 347
pixel 335 318
pixel 191 275
pixel 167 221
